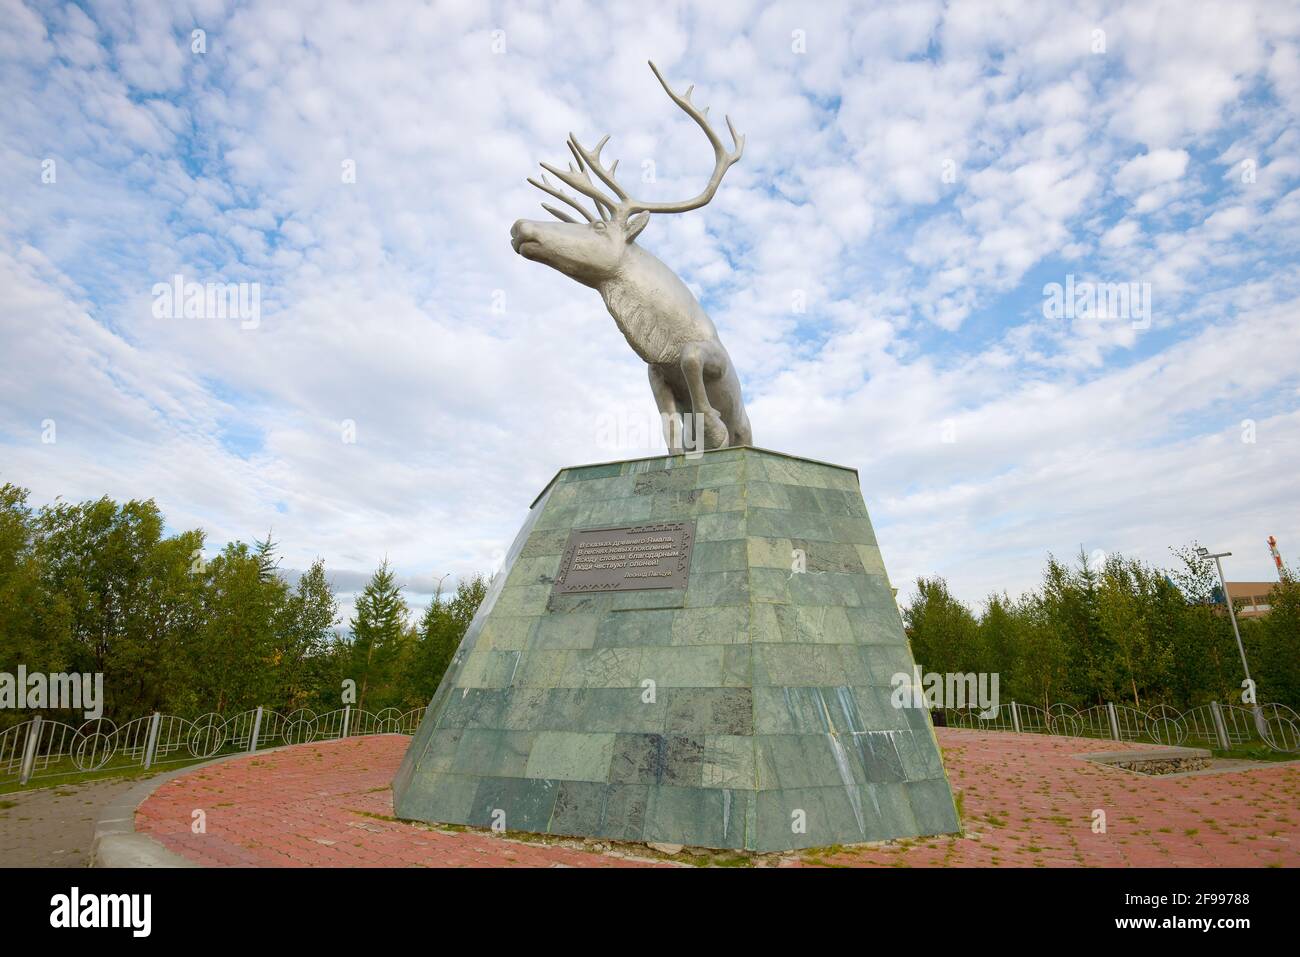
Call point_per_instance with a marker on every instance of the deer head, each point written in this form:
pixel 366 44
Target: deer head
pixel 593 252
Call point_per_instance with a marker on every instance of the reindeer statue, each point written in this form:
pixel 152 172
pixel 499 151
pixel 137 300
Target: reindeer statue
pixel 690 371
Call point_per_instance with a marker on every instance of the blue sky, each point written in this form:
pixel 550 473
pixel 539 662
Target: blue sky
pixel 915 173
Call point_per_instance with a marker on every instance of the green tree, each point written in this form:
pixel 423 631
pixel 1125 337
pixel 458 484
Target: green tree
pixel 441 629
pixel 236 654
pixel 379 636
pixel 1277 661
pixel 1207 664
pixel 1043 666
pixel 306 634
pixel 129 604
pixel 942 631
pixel 35 621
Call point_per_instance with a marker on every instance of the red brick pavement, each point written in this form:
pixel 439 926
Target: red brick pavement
pixel 1026 802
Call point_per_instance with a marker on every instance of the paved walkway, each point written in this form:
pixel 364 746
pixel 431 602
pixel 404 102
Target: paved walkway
pixel 55 826
pixel 1026 802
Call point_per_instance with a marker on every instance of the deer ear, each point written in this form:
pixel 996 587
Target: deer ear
pixel 634 225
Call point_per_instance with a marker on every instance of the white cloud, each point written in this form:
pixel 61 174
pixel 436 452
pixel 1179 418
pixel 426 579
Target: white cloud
pixel 382 299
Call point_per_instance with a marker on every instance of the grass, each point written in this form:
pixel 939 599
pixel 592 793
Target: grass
pixel 1254 752
pixel 71 776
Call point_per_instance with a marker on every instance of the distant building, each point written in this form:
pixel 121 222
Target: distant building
pixel 1254 594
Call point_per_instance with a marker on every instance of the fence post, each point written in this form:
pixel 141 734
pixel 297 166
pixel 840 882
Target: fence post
pixel 29 750
pixel 1015 717
pixel 257 728
pixel 151 742
pixel 1114 720
pixel 1220 729
pixel 347 714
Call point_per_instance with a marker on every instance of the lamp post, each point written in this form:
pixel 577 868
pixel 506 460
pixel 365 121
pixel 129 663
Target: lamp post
pixel 1227 600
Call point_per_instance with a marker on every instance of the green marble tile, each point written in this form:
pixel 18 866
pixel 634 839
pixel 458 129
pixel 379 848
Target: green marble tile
pixel 778 553
pixel 825 588
pixel 638 709
pixel 487 668
pixel 717 588
pixel 591 809
pixel 544 542
pixel 631 629
pixel 720 526
pixel 932 806
pixel 770 585
pixel 570 756
pixel 808 665
pixel 589 473
pixel 683 666
pixel 710 711
pixel 522 600
pixel 876 626
pixel 712 625
pixel 729 761
pixel 620 511
pixel 888 811
pixel 714 472
pixel 506 633
pixel 872 561
pixel 537 570
pixel 433 796
pixel 676 505
pixel 602 668
pixel 695 816
pixel 777 523
pixel 657 759
pixel 493 753
pixel 519 804
pixel 472 708
pixel 441 749
pixel 766 495
pixel 557 631
pixel 725 556
pixel 737 666
pixel 885 661
pixel 670 480
pixel 634 600
pixel 837 557
pixel 801 760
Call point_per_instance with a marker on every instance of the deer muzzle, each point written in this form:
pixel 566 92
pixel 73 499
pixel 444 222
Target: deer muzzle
pixel 522 232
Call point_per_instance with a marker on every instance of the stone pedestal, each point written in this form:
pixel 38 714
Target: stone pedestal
pixel 749 709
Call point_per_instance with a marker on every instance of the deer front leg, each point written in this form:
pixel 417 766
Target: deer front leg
pixel 670 412
pixel 699 360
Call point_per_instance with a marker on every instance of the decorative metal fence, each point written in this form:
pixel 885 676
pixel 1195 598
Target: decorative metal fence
pixel 45 748
pixel 1212 725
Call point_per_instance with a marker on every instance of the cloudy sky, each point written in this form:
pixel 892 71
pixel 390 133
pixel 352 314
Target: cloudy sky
pixel 915 176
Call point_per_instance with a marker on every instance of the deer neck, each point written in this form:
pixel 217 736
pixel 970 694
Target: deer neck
pixel 651 306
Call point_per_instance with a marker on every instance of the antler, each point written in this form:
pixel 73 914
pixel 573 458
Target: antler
pixel 620 205
pixel 722 160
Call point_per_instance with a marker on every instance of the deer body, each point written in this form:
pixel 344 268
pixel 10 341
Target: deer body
pixel 689 369
pixel 653 309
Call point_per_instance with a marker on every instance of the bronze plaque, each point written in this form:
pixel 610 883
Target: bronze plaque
pixel 626 558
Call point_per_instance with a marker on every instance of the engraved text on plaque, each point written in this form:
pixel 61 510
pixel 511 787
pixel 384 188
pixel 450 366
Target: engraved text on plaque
pixel 628 557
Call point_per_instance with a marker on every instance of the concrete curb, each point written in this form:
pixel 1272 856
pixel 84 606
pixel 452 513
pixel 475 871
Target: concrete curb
pixel 118 844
